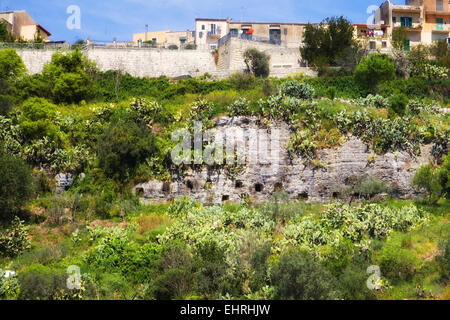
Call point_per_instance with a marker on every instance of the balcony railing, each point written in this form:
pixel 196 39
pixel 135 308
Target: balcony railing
pixel 415 26
pixel 250 37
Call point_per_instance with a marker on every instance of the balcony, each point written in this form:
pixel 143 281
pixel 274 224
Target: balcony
pixel 441 28
pixel 406 9
pixel 414 27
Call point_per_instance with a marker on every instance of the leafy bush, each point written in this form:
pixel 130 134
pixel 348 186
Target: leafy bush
pixel 122 147
pixel 298 277
pixel 398 103
pixel 444 259
pixel 41 283
pixel 16 185
pixel 239 107
pixel 398 264
pixel 295 89
pixel 436 182
pixel 15 239
pixel 375 101
pixel 373 70
pixel 12 67
pixel 257 62
pixel 9 287
pixel 38 118
pixel 6 103
pixel 175 273
pixel 69 77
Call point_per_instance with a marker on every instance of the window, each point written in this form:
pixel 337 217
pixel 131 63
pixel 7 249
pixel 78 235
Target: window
pixel 200 34
pixel 406 22
pixel 285 31
pixel 372 45
pixel 203 27
pixel 440 5
pixel 394 19
pixel 213 29
pixel 384 44
pixel 193 34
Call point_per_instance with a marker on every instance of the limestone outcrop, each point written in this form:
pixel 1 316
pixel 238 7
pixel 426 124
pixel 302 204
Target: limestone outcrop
pixel 295 177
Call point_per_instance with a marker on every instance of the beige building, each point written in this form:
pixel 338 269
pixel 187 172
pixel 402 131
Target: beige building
pixel 166 38
pixel 425 20
pixel 22 26
pixel 372 37
pixel 209 31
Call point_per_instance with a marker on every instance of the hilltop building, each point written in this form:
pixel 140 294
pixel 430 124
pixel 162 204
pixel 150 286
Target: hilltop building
pixel 165 38
pixel 425 20
pixel 22 26
pixel 208 32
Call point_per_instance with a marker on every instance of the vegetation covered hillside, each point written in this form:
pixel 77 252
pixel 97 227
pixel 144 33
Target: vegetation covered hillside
pixel 112 131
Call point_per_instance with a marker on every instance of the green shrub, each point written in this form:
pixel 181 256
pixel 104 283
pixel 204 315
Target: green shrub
pixel 331 92
pixel 15 239
pixel 6 103
pixel 373 70
pixel 69 77
pixel 211 268
pixel 443 260
pixel 239 107
pixel 435 181
pixel 299 90
pixel 298 277
pixel 38 118
pixel 9 287
pixel 41 283
pixel 12 67
pixel 353 281
pixel 257 62
pixel 398 103
pixel 71 88
pixel 398 264
pixel 16 185
pixel 122 147
pixel 176 271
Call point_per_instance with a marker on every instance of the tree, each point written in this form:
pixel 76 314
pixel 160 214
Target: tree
pixel 122 147
pixel 435 181
pixel 327 41
pixel 37 119
pixel 16 185
pixel 12 67
pixel 69 76
pixel 399 38
pixel 257 62
pixel 298 277
pixel 373 70
pixel 5 36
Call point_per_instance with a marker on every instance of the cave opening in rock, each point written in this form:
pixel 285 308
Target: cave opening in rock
pixel 139 192
pixel 166 187
pixel 335 195
pixel 303 196
pixel 189 184
pixel 259 187
pixel 225 198
pixel 239 184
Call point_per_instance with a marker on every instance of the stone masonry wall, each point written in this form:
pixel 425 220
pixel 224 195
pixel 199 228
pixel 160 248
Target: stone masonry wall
pixel 176 63
pixel 299 181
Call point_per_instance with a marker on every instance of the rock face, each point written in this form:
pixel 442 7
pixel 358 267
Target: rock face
pixel 213 185
pixel 63 182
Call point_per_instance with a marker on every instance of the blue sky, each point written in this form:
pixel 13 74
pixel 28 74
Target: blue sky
pixel 103 20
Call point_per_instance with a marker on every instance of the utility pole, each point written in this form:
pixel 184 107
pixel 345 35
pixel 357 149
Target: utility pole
pixel 146 28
